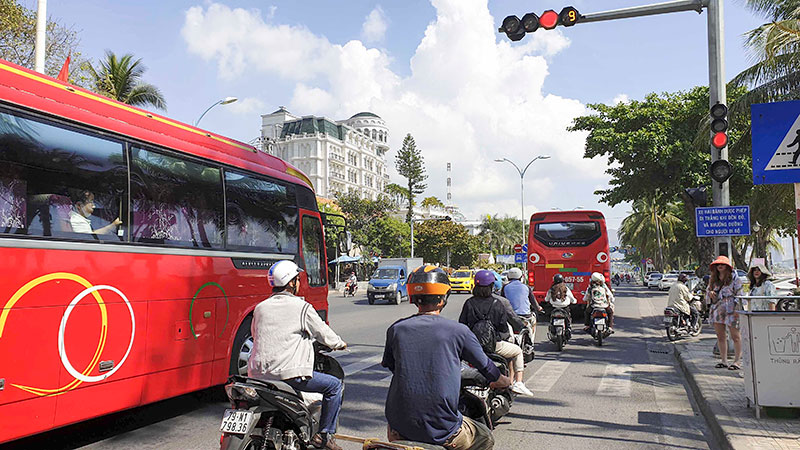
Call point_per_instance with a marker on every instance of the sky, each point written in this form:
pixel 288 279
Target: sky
pixel 437 69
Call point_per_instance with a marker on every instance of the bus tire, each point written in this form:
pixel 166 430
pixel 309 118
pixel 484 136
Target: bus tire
pixel 242 343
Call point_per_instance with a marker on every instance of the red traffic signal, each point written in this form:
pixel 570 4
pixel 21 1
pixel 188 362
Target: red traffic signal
pixel 548 20
pixel 719 125
pixel 569 16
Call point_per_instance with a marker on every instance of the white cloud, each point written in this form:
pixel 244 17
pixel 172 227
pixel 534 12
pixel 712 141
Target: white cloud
pixel 249 105
pixel 621 98
pixel 471 97
pixel 375 25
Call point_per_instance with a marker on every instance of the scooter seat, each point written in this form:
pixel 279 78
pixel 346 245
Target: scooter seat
pixel 470 376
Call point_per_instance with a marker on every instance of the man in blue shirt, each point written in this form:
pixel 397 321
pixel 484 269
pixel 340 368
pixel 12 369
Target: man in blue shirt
pixel 424 353
pixel 519 295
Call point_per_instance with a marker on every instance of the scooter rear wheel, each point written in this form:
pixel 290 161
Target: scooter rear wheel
pixel 672 335
pixel 560 342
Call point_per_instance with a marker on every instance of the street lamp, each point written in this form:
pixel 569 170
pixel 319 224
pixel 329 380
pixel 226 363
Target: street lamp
pixel 438 219
pixel 224 101
pixel 756 229
pixel 521 185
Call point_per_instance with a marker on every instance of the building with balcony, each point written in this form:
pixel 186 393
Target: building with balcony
pixel 337 156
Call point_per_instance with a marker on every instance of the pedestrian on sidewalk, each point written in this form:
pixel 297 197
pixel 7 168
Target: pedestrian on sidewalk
pixel 760 285
pixel 724 287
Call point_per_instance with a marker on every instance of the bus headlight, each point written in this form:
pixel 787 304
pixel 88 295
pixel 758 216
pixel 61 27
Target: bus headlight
pixel 602 257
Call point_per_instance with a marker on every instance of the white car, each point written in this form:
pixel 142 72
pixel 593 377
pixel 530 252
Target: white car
pixel 653 279
pixel 667 281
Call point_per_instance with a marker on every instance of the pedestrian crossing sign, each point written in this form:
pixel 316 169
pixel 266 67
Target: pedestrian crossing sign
pixel 776 142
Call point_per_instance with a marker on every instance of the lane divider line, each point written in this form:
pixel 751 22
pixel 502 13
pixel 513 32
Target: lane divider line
pixel 547 376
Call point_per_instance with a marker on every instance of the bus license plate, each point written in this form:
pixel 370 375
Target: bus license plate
pixel 236 421
pixel 558 322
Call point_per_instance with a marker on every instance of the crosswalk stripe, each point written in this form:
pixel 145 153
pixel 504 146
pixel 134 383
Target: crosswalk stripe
pixel 546 376
pixel 358 366
pixel 616 381
pixel 388 378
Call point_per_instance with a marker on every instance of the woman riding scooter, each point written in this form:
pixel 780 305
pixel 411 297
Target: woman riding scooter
pixel 599 296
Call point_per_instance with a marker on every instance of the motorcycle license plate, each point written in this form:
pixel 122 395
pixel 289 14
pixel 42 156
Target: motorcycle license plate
pixel 236 421
pixel 570 286
pixel 600 321
pixel 667 319
pixel 558 322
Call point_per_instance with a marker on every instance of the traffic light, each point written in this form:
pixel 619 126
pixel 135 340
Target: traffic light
pixel 512 27
pixel 719 126
pixel 721 170
pixel 515 28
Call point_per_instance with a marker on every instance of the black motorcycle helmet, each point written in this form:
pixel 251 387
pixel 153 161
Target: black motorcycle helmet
pixel 428 285
pixel 683 278
pixel 558 279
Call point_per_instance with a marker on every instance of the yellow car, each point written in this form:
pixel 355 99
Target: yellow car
pixel 462 280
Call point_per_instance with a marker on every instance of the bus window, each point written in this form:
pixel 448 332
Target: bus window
pixel 262 214
pixel 314 251
pixel 175 201
pixel 58 182
pixel 567 234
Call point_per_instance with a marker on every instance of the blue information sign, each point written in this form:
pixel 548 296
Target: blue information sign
pixel 519 258
pixel 525 248
pixel 723 221
pixel 776 142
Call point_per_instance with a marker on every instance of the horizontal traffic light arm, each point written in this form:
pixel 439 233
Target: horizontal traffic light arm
pixel 646 10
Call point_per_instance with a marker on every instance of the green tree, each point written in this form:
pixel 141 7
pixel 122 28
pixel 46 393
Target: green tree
pixel 651 229
pixel 500 233
pixel 432 202
pixel 18 39
pixel 361 213
pixel 397 194
pixel 433 239
pixel 120 78
pixel 389 237
pixel 411 166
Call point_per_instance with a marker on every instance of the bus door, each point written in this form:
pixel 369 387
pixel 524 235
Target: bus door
pixel 316 270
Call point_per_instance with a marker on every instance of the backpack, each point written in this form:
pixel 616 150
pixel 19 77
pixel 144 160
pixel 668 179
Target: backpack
pixel 484 330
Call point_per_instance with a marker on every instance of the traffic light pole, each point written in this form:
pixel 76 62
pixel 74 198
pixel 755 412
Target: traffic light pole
pixel 716 73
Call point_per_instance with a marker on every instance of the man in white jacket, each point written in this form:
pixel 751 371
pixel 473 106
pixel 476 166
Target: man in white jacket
pixel 284 328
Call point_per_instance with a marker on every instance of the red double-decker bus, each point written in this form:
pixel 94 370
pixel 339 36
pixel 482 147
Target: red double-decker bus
pixel 572 243
pixel 133 250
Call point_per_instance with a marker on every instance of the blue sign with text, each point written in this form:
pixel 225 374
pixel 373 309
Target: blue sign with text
pixel 519 258
pixel 723 221
pixel 776 142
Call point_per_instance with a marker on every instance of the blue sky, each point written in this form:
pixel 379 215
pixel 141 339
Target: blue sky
pixel 437 69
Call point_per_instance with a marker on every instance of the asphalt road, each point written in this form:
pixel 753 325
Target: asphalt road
pixel 627 394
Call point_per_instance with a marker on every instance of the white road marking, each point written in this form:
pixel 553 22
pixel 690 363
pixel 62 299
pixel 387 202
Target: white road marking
pixel 358 366
pixel 387 379
pixel 546 377
pixel 616 381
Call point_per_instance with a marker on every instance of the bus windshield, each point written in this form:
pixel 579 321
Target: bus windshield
pixel 567 234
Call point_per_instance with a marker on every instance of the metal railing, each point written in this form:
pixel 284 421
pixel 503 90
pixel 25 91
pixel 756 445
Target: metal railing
pixel 784 303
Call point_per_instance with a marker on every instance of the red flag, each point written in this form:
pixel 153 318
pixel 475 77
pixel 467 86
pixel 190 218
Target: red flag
pixel 63 75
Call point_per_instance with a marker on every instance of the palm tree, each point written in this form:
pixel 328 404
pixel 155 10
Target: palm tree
pixel 775 47
pixel 121 80
pixel 501 233
pixel 651 228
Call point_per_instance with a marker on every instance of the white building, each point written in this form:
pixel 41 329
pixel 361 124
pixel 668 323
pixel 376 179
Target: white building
pixel 338 156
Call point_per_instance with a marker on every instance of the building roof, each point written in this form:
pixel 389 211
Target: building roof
pixel 313 125
pixel 366 114
pixel 280 110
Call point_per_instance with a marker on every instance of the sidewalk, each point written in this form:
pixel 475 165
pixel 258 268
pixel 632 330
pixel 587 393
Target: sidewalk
pixel 720 396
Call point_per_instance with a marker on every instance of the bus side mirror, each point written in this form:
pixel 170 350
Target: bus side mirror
pixel 345 242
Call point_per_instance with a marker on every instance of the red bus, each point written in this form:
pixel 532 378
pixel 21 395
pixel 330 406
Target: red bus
pixel 99 316
pixel 572 243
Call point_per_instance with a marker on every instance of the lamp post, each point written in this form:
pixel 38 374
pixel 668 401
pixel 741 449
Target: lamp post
pixel 224 101
pixel 439 219
pixel 756 229
pixel 521 185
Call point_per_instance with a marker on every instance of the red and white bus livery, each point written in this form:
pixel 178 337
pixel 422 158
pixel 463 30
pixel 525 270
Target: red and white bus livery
pixel 133 249
pixel 572 243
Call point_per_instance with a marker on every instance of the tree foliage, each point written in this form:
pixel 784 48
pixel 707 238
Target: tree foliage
pixel 397 194
pixel 500 234
pixel 120 78
pixel 432 202
pixel 18 42
pixel 433 239
pixel 411 165
pixel 658 147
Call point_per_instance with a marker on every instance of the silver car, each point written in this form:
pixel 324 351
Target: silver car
pixel 652 281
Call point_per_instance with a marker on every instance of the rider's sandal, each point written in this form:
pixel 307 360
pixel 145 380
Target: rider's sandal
pixel 721 366
pixel 734 366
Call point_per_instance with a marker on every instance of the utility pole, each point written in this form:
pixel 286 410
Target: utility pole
pixel 41 35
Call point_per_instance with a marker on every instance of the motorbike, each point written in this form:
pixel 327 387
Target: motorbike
pixel 478 400
pixel 350 288
pixel 599 325
pixel 271 414
pixel 678 324
pixel 524 339
pixel 559 331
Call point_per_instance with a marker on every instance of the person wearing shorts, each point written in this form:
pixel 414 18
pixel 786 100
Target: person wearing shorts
pixel 724 287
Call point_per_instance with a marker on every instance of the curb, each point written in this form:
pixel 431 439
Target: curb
pixel 705 405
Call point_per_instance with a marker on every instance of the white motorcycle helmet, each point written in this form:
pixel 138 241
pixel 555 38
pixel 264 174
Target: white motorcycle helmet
pixel 514 273
pixel 598 277
pixel 282 272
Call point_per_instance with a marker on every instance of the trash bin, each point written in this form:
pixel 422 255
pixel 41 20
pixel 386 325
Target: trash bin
pixel 771 358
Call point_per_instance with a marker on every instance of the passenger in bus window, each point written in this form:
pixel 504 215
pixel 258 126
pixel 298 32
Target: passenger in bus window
pixel 83 207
